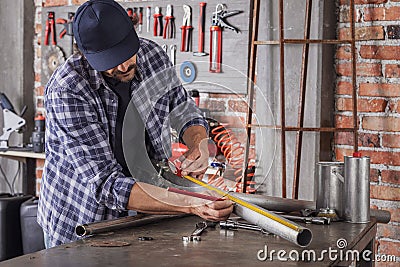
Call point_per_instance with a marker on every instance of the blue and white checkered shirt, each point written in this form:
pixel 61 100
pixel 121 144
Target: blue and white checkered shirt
pixel 82 181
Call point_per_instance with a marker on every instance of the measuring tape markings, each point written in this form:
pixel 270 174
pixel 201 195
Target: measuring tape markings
pixel 245 204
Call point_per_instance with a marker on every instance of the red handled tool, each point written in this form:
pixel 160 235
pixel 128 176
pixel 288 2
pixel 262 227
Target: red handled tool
pixel 132 13
pixel 202 26
pixel 50 29
pixel 135 15
pixel 169 29
pixel 158 22
pixel 186 37
pixel 217 25
pixel 67 23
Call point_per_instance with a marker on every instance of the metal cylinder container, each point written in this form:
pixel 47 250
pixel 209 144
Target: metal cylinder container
pixel 329 186
pixel 356 189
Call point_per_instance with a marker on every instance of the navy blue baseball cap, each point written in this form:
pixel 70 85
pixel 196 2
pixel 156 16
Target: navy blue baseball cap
pixel 105 34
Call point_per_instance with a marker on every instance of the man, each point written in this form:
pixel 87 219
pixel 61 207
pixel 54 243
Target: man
pixel 86 176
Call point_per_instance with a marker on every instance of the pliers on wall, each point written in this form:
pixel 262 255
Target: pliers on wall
pixel 158 22
pixel 67 25
pixel 186 38
pixel 50 29
pixel 169 29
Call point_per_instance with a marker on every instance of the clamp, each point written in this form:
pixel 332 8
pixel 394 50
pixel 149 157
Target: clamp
pixel 219 16
pixel 186 38
pixel 169 29
pixel 50 29
pixel 158 23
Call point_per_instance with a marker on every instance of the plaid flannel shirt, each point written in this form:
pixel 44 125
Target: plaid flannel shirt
pixel 82 181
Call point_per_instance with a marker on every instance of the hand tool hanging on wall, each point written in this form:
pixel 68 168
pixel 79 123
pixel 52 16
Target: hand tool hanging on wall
pixel 186 38
pixel 202 25
pixel 169 29
pixel 158 22
pixel 140 19
pixel 165 48
pixel 148 17
pixel 172 48
pixel 133 15
pixel 67 23
pixel 217 24
pixel 50 29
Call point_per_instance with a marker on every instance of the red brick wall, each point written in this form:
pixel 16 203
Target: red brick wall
pixel 378 88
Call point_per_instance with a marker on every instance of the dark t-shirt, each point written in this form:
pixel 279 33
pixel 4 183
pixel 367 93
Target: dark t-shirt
pixel 123 91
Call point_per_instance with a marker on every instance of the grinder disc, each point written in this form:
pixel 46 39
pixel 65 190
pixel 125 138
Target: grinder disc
pixel 53 57
pixel 188 72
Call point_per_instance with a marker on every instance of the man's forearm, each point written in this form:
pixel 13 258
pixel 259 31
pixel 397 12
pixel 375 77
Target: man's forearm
pixel 152 199
pixel 155 200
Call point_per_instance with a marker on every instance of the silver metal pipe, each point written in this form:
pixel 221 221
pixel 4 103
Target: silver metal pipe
pixel 276 203
pixel 120 223
pixel 289 205
pixel 356 189
pixel 300 235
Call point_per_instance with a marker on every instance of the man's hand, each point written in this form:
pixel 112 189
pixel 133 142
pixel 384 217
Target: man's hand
pixel 214 211
pixel 195 161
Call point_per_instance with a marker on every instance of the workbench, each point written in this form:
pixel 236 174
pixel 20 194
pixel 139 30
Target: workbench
pixel 29 170
pixel 218 247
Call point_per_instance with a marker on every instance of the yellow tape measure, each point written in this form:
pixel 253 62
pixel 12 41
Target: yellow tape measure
pixel 244 203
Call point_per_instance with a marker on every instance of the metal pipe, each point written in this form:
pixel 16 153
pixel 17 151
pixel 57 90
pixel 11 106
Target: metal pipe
pixel 289 205
pixel 120 223
pixel 300 235
pixel 381 216
pixel 276 203
pixel 269 221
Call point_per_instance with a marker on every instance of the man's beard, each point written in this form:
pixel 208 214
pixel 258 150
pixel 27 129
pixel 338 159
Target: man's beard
pixel 116 74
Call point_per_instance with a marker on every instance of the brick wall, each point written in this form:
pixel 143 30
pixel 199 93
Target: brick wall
pixel 378 87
